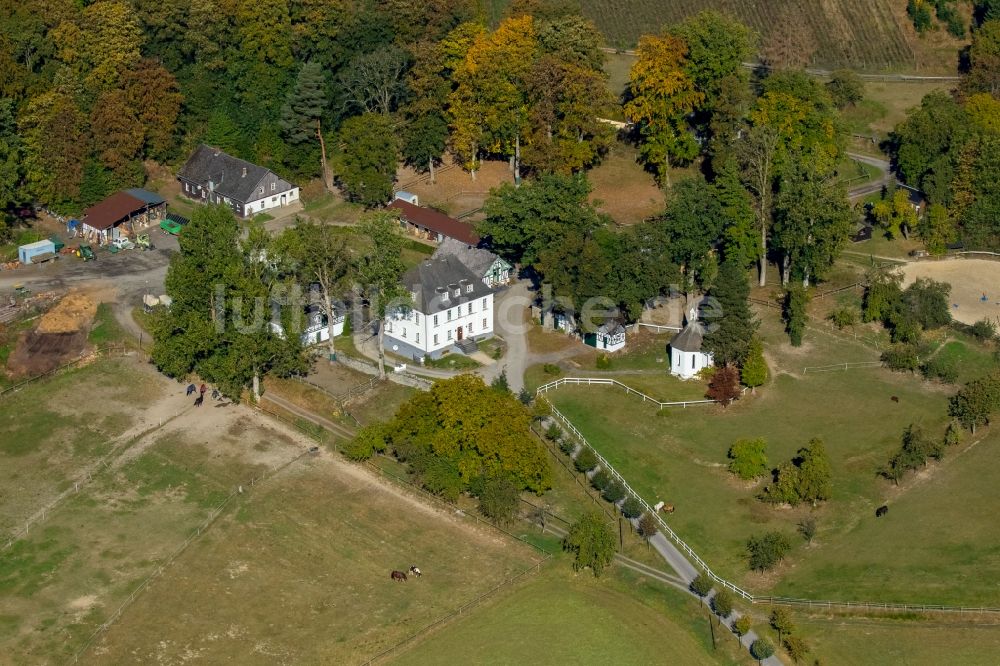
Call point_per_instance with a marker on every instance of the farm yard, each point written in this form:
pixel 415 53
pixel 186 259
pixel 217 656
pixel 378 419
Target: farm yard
pixel 918 553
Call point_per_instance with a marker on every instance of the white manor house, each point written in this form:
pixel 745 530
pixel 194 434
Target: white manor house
pixel 451 309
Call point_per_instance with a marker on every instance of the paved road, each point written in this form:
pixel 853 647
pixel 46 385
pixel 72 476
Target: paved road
pixel 509 317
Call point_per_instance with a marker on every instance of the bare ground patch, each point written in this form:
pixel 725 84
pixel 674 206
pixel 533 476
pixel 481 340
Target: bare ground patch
pixel 975 285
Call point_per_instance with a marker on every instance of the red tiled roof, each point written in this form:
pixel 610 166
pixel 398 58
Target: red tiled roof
pixel 435 221
pixel 114 209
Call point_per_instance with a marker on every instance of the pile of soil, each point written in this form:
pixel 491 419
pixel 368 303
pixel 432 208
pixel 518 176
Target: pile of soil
pixel 73 313
pixel 60 337
pixel 37 353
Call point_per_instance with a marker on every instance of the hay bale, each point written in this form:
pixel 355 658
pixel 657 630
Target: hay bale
pixel 73 313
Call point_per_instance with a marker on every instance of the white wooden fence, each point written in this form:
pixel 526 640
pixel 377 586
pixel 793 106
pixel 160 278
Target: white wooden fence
pixel 601 381
pixel 605 465
pixel 735 589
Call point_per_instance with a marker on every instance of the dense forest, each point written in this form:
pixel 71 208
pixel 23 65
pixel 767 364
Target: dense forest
pixel 93 93
pixel 91 90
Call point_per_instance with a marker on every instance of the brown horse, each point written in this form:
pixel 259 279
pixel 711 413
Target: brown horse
pixel 398 575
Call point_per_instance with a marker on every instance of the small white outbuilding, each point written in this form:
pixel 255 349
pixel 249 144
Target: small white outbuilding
pixel 686 357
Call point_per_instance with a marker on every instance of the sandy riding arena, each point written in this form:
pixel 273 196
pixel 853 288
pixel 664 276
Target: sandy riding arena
pixel 970 280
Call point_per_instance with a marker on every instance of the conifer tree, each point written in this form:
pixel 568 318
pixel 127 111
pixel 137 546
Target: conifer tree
pixel 729 335
pixel 754 370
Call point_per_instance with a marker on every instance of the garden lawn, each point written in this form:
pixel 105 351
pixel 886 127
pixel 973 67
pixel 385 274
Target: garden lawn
pixel 934 544
pixel 561 618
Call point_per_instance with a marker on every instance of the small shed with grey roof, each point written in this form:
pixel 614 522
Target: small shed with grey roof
pixel 490 268
pixel 609 336
pixel 686 357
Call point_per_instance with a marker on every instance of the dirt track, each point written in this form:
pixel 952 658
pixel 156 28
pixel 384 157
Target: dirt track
pixel 970 280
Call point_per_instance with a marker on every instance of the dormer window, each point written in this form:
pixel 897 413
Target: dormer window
pixel 468 289
pixel 458 293
pixel 444 296
pixel 274 186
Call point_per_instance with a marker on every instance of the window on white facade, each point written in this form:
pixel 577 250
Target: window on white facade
pixel 449 334
pixel 435 338
pixel 416 317
pixel 273 199
pixel 692 362
pixel 404 331
pixel 187 187
pixel 449 315
pixel 418 337
pixel 484 304
pixel 470 327
pixel 484 323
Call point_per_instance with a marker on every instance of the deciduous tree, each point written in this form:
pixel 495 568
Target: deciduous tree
pixel 368 161
pixel 661 95
pixel 747 458
pixel 593 542
pixel 724 386
pixel 318 254
pixel 379 271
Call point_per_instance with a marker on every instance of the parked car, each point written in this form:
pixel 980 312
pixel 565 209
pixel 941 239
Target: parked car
pixel 121 243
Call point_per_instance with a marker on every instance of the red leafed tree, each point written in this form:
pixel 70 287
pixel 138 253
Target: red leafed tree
pixel 725 385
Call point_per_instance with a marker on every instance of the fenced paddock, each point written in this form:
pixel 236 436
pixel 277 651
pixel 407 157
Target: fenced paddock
pixel 971 280
pixel 746 595
pixel 599 381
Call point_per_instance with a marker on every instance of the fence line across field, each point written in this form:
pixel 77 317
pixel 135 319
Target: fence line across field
pixel 753 599
pixel 842 366
pixel 598 381
pixel 198 531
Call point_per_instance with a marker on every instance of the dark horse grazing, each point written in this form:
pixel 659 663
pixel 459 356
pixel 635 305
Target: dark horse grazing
pixel 200 399
pixel 415 571
pixel 894 398
pixel 398 575
pixel 881 511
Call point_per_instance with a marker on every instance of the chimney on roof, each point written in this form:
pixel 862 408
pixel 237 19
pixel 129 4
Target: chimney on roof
pixel 244 172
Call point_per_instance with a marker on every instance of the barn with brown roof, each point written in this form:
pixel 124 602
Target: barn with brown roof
pixel 122 214
pixel 431 225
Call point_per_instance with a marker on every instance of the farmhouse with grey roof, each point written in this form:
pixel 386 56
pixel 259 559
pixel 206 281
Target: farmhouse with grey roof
pixel 213 176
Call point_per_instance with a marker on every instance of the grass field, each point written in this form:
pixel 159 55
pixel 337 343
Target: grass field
pixel 66 578
pixel 889 641
pixel 920 553
pixel 50 432
pixel 564 618
pixel 298 572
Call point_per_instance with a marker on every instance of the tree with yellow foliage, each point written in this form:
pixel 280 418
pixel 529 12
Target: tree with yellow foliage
pixel 489 106
pixel 661 96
